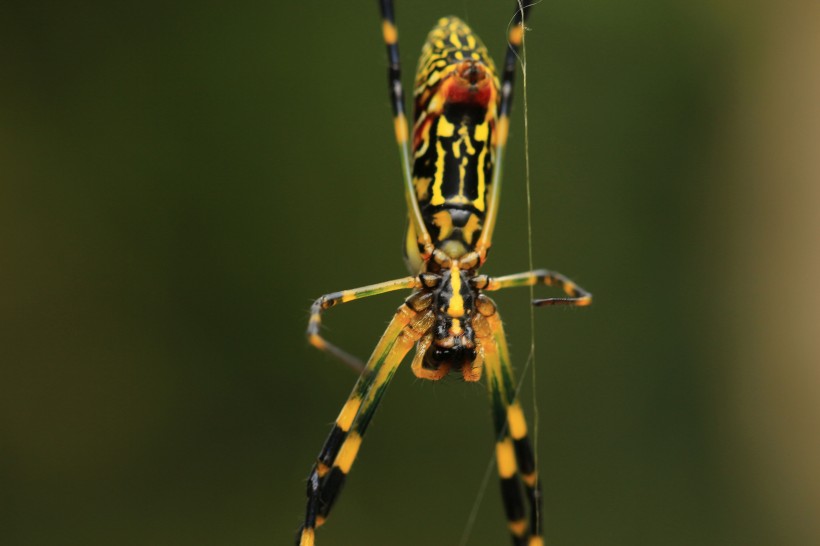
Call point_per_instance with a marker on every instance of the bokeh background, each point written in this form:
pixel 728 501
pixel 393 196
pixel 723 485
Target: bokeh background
pixel 179 180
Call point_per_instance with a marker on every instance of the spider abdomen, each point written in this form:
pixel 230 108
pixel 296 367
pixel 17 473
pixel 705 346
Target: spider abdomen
pixel 456 106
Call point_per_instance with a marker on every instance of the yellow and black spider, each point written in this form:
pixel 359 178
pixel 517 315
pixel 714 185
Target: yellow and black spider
pixel 452 182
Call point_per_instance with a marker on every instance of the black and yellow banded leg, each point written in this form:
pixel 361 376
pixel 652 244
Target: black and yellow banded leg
pixel 330 300
pixel 578 297
pixel 514 455
pixel 515 37
pixel 342 445
pixel 391 41
pixel 516 428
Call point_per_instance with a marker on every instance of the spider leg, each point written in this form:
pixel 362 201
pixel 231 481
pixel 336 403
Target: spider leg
pixel 514 455
pixel 418 362
pixel 329 300
pixel 391 40
pixel 578 297
pixel 342 445
pixel 514 39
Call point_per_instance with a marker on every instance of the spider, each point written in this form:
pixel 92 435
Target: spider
pixel 451 164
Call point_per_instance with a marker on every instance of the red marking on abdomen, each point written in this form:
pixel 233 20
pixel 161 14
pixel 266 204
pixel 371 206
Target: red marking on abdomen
pixel 469 83
pixel 420 130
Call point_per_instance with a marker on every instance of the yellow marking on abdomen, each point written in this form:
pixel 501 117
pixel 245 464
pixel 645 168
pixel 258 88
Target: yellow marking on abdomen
pixel 445 128
pixel 464 137
pixel 482 183
pixel 444 221
pixel 348 413
pixel 470 228
pixel 462 175
pixel 515 417
pixel 425 139
pixel 435 104
pixel 422 186
pixel 454 39
pixel 438 196
pixel 536 541
pixel 482 132
pixel 347 454
pixel 471 41
pixel 433 78
pixel 505 457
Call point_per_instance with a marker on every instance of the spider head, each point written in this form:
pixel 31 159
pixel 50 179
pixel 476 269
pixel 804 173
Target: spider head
pixel 453 348
pixel 458 355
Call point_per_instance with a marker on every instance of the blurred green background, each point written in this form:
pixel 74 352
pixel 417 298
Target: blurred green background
pixel 179 180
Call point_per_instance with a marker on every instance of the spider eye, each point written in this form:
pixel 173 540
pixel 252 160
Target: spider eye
pixel 440 355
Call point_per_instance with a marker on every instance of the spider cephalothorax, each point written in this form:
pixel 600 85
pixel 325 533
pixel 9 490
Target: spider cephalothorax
pixel 450 343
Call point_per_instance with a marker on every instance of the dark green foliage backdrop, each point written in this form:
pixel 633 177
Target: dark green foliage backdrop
pixel 180 180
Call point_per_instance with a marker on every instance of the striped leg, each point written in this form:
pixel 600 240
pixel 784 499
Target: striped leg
pixel 514 455
pixel 514 37
pixel 329 300
pixel 339 451
pixel 391 40
pixel 578 297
